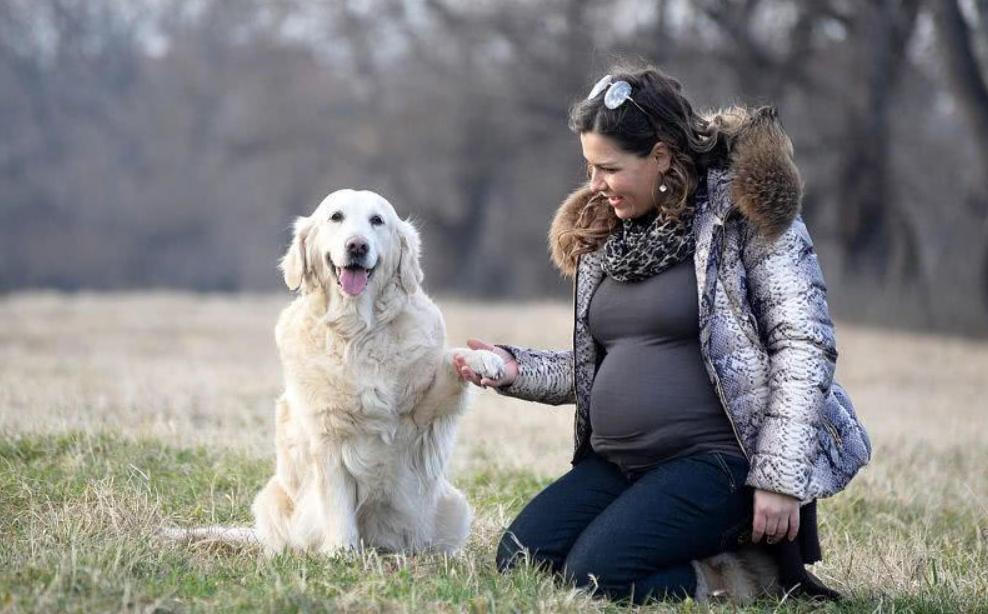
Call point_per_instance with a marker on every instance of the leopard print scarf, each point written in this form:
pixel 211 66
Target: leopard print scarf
pixel 640 248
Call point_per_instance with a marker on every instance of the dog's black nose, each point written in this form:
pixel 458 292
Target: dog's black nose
pixel 356 247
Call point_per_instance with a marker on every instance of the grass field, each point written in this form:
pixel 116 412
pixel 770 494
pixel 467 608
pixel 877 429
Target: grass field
pixel 120 414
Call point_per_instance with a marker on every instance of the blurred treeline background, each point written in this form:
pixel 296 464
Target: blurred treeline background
pixel 170 143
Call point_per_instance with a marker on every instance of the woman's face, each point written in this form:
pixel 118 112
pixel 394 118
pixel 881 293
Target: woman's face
pixel 628 181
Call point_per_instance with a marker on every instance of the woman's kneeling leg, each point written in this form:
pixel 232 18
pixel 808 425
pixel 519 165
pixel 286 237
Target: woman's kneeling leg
pixel 547 527
pixel 641 546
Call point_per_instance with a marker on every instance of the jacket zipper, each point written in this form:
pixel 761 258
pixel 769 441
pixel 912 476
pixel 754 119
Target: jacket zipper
pixel 576 394
pixel 710 365
pixel 723 404
pixel 735 306
pixel 832 430
pixel 576 281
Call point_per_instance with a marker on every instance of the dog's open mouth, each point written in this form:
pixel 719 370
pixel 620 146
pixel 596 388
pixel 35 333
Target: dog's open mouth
pixel 352 278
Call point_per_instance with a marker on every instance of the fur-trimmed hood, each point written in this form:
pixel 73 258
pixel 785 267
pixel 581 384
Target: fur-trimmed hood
pixel 766 187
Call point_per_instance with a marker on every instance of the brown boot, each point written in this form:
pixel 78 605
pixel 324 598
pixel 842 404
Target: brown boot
pixel 738 577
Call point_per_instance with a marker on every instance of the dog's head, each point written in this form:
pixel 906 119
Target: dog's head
pixel 353 243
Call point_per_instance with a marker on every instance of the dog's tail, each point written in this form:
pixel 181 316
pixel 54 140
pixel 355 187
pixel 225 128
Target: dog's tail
pixel 214 534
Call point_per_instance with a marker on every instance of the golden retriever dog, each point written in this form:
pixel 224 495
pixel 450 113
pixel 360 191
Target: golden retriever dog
pixel 367 421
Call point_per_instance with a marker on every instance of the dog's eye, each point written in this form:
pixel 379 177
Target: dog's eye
pixel 336 217
pixel 376 220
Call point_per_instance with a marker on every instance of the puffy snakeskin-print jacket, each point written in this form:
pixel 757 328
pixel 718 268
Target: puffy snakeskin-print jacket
pixel 766 336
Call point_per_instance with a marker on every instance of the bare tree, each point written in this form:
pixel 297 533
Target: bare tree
pixel 872 236
pixel 169 143
pixel 967 81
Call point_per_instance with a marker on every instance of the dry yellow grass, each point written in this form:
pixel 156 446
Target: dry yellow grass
pixel 204 369
pixel 190 369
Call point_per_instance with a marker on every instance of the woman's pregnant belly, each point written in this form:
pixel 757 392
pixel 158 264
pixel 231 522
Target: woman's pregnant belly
pixel 653 400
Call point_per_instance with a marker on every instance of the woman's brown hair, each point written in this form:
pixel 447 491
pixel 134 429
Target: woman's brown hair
pixel 662 114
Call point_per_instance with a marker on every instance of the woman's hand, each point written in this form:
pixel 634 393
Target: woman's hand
pixel 469 375
pixel 776 517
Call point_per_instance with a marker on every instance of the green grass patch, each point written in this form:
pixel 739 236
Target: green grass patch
pixel 78 517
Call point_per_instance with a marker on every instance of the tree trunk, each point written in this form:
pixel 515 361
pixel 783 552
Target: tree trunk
pixel 867 232
pixel 968 86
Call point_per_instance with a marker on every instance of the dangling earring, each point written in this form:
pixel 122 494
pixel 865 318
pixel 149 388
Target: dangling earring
pixel 662 189
pixel 662 186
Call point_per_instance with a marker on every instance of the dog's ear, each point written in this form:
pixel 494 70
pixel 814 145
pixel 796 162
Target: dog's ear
pixel 409 269
pixel 295 263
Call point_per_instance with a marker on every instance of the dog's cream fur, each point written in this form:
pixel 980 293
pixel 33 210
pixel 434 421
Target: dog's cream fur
pixel 367 420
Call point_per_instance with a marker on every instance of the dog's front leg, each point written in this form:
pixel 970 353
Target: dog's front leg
pixel 447 394
pixel 327 521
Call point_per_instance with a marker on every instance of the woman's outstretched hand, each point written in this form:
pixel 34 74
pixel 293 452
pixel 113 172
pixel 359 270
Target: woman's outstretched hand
pixel 469 375
pixel 776 517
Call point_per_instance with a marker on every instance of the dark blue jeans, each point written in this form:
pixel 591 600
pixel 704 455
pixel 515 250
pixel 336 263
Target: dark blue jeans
pixel 633 537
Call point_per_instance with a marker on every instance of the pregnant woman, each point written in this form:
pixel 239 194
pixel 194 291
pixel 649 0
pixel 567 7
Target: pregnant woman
pixel 707 418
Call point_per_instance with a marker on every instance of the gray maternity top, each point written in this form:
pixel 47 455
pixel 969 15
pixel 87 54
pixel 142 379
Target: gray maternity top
pixel 652 399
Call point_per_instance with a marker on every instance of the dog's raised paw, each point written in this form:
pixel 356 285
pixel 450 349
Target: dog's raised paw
pixel 485 363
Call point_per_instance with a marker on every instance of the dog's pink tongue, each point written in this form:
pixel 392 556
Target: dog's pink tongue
pixel 353 280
